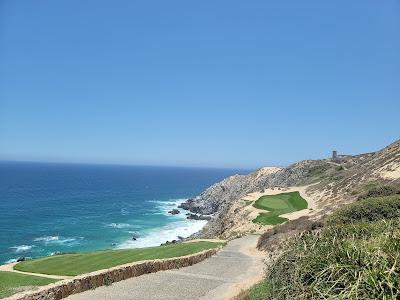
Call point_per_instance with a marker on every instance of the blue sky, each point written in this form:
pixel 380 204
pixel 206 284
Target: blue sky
pixel 197 83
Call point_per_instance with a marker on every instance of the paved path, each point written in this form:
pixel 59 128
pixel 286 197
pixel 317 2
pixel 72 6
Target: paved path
pixel 10 268
pixel 238 266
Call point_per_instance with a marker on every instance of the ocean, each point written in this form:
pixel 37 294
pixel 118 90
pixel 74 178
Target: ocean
pixel 49 208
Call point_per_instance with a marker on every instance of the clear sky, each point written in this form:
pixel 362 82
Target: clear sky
pixel 197 83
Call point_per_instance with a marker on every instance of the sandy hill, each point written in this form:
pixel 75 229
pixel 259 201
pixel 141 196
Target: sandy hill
pixel 330 183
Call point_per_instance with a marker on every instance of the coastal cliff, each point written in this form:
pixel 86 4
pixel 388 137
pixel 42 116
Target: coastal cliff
pixel 331 182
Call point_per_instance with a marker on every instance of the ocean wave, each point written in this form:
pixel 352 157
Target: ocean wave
pixel 175 202
pixel 46 239
pixel 22 248
pixel 120 225
pixel 134 232
pixel 172 231
pixel 153 213
pixel 164 207
pixel 58 240
pixel 68 241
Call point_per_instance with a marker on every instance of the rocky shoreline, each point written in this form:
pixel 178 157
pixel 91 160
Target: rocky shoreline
pixel 331 182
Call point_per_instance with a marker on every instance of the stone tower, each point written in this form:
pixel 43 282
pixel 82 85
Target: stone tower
pixel 334 154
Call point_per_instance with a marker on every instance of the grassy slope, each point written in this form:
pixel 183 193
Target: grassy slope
pixel 80 263
pixel 278 205
pixel 354 257
pixel 11 283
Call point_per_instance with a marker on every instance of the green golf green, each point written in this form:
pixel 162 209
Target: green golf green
pixel 277 205
pixel 80 263
pixel 11 283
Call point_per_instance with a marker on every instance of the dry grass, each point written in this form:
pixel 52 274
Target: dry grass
pixel 269 240
pixel 355 256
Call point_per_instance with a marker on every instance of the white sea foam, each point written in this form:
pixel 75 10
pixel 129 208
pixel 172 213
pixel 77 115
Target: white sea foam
pixel 22 248
pixel 134 232
pixel 165 206
pixel 172 231
pixel 47 239
pixel 12 260
pixel 69 241
pixel 122 225
pixel 180 227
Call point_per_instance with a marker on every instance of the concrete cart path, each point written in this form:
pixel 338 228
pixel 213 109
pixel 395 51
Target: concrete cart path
pixel 238 266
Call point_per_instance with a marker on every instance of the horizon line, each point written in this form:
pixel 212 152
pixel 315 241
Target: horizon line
pixel 127 164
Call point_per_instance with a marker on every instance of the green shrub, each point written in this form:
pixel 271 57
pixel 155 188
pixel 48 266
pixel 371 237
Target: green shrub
pixel 273 236
pixel 352 261
pixel 375 189
pixel 318 171
pixel 355 256
pixel 371 209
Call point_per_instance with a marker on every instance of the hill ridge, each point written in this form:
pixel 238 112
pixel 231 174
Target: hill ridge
pixel 332 182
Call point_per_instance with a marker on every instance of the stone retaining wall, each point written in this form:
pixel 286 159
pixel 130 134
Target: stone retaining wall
pixel 62 289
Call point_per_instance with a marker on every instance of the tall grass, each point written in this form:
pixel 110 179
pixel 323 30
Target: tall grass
pixel 370 209
pixel 357 256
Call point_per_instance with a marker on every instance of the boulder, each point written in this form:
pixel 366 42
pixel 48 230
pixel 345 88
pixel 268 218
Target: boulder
pixel 198 217
pixel 174 211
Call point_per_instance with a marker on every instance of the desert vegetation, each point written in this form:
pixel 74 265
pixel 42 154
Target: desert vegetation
pixel 378 189
pixel 272 238
pixel 354 256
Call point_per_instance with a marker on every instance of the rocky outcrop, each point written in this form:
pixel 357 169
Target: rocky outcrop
pixel 174 211
pixel 336 181
pixel 197 217
pixel 215 197
pixel 65 288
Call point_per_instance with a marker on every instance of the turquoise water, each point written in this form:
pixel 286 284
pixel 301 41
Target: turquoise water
pixel 50 208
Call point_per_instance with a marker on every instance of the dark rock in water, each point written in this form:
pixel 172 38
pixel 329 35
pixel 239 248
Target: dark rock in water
pixel 174 211
pixel 180 237
pixel 135 236
pixel 198 217
pixel 189 205
pixel 184 205
pixel 19 259
pixel 114 244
